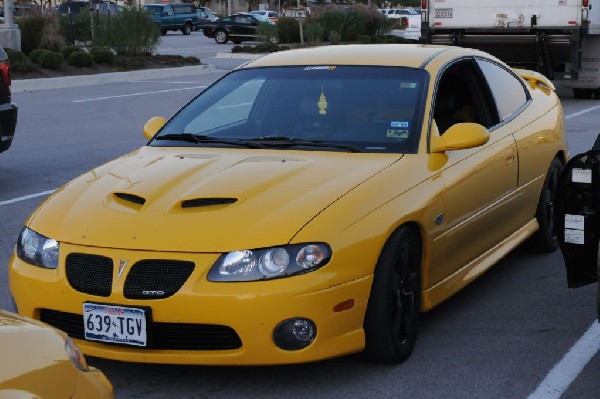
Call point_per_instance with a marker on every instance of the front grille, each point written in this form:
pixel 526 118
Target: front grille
pixel 174 336
pixel 91 274
pixel 154 279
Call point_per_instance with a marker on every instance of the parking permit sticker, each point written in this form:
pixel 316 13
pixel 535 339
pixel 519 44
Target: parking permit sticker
pixel 581 175
pixel 574 236
pixel 574 229
pixel 400 124
pixel 575 222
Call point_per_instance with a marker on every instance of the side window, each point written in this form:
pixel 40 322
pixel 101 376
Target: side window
pixel 462 95
pixel 508 90
pixel 168 10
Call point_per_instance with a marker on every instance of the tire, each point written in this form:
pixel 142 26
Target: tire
pixel 187 28
pixel 274 40
pixel 583 94
pixel 392 317
pixel 221 37
pixel 545 240
pixel 163 31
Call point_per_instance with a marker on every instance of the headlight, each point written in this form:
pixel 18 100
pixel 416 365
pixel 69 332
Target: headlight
pixel 268 263
pixel 38 250
pixel 75 355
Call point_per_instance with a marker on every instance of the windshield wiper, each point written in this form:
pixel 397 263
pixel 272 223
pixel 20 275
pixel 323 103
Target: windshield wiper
pixel 295 142
pixel 200 139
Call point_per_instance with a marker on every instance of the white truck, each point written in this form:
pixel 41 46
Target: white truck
pixel 559 38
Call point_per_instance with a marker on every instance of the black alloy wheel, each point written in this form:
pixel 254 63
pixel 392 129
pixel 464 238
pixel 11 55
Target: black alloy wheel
pixel 392 318
pixel 545 239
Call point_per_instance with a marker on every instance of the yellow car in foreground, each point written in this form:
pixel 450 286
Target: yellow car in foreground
pixel 308 205
pixel 38 361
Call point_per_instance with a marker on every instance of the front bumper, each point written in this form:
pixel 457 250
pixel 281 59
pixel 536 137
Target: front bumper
pixel 8 123
pixel 93 384
pixel 251 309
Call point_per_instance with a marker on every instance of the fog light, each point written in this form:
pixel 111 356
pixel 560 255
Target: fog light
pixel 294 334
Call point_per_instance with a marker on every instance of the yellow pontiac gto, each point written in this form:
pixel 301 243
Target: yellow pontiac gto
pixel 309 204
pixel 38 361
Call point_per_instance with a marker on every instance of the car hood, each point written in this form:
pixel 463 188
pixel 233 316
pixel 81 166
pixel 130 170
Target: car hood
pixel 202 199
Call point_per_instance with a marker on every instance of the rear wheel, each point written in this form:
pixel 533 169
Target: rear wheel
pixel 221 37
pixel 545 239
pixel 392 317
pixel 187 28
pixel 274 40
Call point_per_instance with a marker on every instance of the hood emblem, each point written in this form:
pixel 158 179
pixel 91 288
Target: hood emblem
pixel 122 265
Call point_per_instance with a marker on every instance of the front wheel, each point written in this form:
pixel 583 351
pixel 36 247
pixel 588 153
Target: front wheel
pixel 221 37
pixel 163 31
pixel 545 239
pixel 392 317
pixel 187 29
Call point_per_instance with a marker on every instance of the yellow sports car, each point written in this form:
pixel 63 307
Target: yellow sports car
pixel 38 361
pixel 309 204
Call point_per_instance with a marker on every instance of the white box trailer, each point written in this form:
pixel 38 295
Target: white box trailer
pixel 559 38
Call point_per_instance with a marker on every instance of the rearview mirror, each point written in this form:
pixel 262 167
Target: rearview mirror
pixel 153 126
pixel 460 136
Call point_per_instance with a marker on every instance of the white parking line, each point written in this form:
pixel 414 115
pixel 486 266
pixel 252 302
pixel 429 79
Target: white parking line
pixel 26 197
pixel 584 111
pixel 138 94
pixel 565 371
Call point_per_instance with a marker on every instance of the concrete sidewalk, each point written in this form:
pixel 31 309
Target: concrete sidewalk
pixel 21 85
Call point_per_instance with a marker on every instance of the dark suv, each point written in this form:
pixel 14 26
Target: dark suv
pixel 8 110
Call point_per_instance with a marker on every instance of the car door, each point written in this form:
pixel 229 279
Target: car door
pixel 481 182
pixel 578 217
pixel 168 17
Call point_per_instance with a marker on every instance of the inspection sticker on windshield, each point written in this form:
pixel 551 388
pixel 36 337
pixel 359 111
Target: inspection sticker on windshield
pixel 114 324
pixel 581 175
pixel 397 133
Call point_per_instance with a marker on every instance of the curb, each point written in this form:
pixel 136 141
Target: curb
pixel 21 85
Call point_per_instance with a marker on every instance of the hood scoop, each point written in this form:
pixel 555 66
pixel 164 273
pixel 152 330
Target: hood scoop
pixel 204 202
pixel 134 199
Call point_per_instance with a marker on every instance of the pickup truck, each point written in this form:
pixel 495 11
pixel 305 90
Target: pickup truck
pixel 174 17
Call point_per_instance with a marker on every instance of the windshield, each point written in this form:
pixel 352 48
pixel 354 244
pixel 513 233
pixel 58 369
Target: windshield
pixel 366 109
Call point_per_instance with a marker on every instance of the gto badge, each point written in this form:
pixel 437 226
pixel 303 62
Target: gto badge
pixel 153 293
pixel 122 265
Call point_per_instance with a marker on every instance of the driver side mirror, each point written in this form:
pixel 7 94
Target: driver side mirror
pixel 153 126
pixel 459 136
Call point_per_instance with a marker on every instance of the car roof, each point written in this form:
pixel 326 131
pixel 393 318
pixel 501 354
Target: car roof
pixel 410 55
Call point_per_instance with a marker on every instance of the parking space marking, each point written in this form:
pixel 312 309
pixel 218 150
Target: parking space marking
pixel 565 371
pixel 138 94
pixel 584 111
pixel 26 197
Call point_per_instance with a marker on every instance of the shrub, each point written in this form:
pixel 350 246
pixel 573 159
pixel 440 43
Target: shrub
pixel 51 60
pixel 133 32
pixel 314 32
pixel 81 59
pixel 76 28
pixel 31 32
pixel 18 61
pixel 70 50
pixel 35 55
pixel 51 36
pixel 266 32
pixel 289 30
pixel 103 55
pixel 15 57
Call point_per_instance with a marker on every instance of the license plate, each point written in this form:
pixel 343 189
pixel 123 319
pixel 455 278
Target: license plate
pixel 443 13
pixel 114 324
